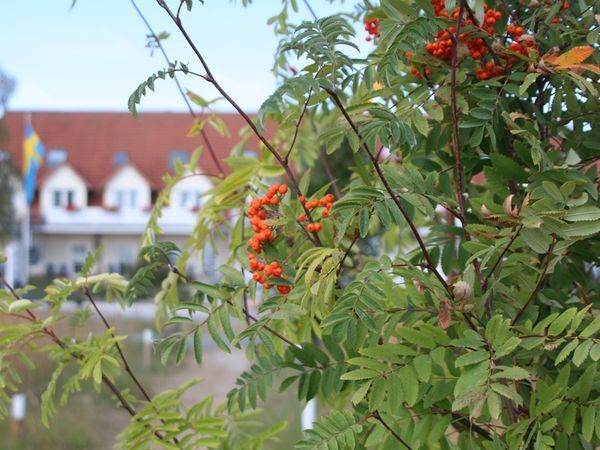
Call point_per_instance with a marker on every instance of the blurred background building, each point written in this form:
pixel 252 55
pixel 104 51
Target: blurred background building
pixel 100 176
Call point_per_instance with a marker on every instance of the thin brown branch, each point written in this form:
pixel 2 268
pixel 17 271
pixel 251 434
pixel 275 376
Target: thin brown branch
pixel 458 169
pixel 298 123
pixel 54 338
pixel 378 417
pixel 499 260
pixel 210 77
pixel 346 253
pixel 485 42
pixel 458 173
pixel 336 188
pixel 203 133
pixel 272 331
pixel 126 364
pixel 312 11
pixel 181 2
pixel 390 191
pixel 468 425
pixel 539 283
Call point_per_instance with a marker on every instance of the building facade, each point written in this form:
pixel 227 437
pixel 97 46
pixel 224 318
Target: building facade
pixel 101 175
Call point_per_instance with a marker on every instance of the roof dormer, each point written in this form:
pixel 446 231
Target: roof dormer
pixel 62 188
pixel 127 189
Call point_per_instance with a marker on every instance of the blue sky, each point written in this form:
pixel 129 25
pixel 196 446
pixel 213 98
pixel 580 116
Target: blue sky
pixel 93 56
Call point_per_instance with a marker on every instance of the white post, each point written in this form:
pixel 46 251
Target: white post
pixel 17 411
pixel 10 265
pixel 26 244
pixel 309 414
pixel 148 341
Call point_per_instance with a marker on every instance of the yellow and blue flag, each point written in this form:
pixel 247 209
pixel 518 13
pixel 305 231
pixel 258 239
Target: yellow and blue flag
pixel 33 156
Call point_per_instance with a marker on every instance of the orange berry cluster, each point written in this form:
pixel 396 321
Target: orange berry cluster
pixel 257 214
pixel 261 271
pixel 325 202
pixel 520 45
pixel 414 70
pixel 441 46
pixel 372 27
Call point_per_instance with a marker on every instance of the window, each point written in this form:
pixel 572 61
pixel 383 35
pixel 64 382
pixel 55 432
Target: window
pixel 190 199
pixel 182 155
pixel 120 158
pixel 126 198
pixel 56 156
pixel 63 198
pixel 79 253
pixel 56 198
pixel 184 199
pixel 133 199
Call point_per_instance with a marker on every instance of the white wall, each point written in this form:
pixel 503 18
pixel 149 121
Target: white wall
pixel 62 252
pixel 186 195
pixel 63 179
pixel 127 189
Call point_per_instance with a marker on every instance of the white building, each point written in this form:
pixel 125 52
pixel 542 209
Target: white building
pixel 100 178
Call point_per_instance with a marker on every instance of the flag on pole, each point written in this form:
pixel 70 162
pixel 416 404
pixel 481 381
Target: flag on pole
pixel 33 156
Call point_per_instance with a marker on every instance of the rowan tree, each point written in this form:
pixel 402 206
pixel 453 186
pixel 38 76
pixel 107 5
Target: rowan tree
pixel 444 295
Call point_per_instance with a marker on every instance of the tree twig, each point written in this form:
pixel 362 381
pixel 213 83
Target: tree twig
pixel 458 169
pixel 203 133
pixel 378 417
pixel 126 364
pixel 109 384
pixel 539 283
pixel 346 253
pixel 390 191
pixel 210 77
pixel 499 260
pixel 298 122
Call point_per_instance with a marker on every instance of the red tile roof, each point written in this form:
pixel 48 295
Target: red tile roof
pixel 92 138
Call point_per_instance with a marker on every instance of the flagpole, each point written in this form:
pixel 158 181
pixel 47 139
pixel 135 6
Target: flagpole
pixel 26 243
pixel 26 224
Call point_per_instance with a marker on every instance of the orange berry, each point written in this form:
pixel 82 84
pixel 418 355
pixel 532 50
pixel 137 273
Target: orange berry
pixel 274 200
pixel 284 289
pixel 267 286
pixel 302 199
pixel 310 227
pixel 325 213
pixel 318 227
pixel 555 20
pixel 283 189
pixel 302 218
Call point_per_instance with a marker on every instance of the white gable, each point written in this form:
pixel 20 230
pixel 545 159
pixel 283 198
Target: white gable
pixel 61 189
pixel 127 189
pixel 187 194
